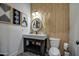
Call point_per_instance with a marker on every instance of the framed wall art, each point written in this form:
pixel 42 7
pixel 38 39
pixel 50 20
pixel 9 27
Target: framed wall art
pixel 16 17
pixel 24 20
pixel 5 13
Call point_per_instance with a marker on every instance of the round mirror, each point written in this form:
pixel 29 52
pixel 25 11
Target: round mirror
pixel 36 24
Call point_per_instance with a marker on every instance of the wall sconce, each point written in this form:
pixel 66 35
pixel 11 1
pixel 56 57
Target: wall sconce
pixel 36 14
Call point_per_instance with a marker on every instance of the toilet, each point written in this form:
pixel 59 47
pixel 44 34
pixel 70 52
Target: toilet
pixel 54 51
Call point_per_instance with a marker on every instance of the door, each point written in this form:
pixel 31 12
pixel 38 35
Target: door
pixel 74 29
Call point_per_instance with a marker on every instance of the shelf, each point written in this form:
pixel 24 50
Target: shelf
pixel 33 48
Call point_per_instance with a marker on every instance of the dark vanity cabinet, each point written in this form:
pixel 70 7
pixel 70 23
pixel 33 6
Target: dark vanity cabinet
pixel 35 45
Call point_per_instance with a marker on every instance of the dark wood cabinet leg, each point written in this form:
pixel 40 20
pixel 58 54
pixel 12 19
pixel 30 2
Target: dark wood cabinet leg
pixel 42 48
pixel 24 44
pixel 45 45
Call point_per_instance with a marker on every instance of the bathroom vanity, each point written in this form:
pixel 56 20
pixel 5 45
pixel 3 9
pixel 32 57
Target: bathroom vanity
pixel 35 43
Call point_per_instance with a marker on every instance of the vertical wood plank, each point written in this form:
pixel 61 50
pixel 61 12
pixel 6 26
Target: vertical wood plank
pixel 55 20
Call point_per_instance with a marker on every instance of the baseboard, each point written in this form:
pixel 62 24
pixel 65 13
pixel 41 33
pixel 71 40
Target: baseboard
pixel 14 53
pixel 5 54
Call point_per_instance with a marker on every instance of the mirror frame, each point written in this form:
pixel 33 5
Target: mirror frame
pixel 38 29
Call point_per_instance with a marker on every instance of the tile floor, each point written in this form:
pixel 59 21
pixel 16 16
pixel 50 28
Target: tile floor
pixel 29 54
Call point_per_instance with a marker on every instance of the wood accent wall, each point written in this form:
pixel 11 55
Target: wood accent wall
pixel 55 20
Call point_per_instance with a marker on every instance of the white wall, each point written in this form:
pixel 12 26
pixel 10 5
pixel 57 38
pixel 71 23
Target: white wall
pixel 25 8
pixel 74 28
pixel 11 35
pixel 4 38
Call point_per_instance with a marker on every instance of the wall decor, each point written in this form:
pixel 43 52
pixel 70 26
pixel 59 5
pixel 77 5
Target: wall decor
pixel 16 17
pixel 24 20
pixel 5 11
pixel 36 24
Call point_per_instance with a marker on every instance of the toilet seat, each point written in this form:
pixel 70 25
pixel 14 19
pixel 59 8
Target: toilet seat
pixel 53 51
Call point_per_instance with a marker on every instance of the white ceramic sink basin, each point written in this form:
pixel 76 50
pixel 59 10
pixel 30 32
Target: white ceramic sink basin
pixel 35 36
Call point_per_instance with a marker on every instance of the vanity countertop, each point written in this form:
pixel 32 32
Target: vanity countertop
pixel 35 36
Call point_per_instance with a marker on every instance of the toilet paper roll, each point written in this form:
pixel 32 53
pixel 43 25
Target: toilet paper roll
pixel 66 46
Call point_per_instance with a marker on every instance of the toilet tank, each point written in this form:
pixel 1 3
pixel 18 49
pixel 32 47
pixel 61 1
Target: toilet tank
pixel 54 42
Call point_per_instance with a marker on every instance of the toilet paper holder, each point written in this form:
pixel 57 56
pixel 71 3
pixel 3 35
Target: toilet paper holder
pixel 77 42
